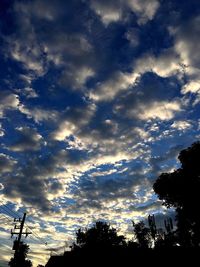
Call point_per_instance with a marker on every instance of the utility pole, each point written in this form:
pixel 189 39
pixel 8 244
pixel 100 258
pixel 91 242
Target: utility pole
pixel 19 224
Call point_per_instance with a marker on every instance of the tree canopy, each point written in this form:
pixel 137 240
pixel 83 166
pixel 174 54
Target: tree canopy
pixel 142 234
pixel 181 189
pixel 100 235
pixel 20 257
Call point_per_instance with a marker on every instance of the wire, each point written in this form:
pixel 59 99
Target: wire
pixel 4 219
pixel 7 211
pixel 4 213
pixel 10 212
pixel 36 235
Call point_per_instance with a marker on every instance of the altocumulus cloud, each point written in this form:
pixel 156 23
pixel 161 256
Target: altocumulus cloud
pixel 96 100
pixel 28 140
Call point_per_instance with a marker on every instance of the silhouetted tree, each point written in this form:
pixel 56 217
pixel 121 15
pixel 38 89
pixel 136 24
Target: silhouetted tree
pixel 166 240
pixel 101 235
pixel 20 257
pixel 132 245
pixel 181 190
pixel 142 234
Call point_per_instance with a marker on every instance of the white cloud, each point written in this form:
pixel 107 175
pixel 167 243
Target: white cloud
pixel 103 173
pixel 117 83
pixel 187 42
pixel 162 110
pixel 82 75
pixel 64 130
pixel 29 53
pixel 73 121
pixel 113 11
pixel 1 130
pixel 8 101
pixel 39 114
pixel 68 50
pixel 107 10
pixel 192 86
pixel 165 65
pixel 187 47
pixel 182 125
pixel 145 9
pixel 140 132
pixel 30 92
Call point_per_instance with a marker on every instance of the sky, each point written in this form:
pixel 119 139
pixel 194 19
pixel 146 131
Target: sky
pixel 97 98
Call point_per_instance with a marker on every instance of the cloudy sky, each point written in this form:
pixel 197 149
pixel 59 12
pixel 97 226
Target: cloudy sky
pixel 97 97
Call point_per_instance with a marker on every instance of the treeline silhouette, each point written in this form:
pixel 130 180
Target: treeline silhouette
pixel 180 190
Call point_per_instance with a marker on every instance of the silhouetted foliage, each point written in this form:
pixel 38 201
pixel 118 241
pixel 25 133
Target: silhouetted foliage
pixel 181 190
pixel 20 257
pixel 166 240
pixel 142 234
pixel 101 235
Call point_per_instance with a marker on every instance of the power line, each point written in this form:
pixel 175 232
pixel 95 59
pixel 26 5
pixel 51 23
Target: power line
pixel 4 213
pixel 11 213
pixel 8 219
pixel 36 235
pixel 4 219
pixel 8 211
